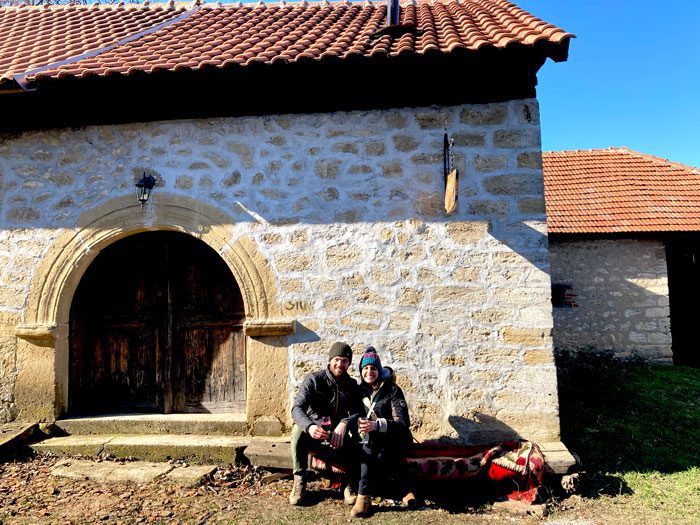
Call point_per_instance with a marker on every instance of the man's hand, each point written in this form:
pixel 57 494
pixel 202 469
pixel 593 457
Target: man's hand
pixel 317 432
pixel 338 435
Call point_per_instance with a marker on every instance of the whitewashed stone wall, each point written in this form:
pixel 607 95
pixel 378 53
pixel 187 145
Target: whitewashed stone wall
pixel 620 290
pixel 347 209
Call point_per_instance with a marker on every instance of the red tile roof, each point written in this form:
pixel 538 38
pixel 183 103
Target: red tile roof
pixel 619 190
pixel 56 38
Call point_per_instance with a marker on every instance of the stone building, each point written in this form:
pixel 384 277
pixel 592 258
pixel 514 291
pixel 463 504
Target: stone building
pixel 297 152
pixel 623 248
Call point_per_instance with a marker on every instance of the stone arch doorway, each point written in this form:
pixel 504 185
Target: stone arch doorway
pixel 156 325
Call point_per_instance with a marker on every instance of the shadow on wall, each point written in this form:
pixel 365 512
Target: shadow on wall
pixel 482 428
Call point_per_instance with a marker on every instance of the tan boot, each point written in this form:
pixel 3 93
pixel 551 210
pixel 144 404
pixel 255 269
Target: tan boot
pixel 409 500
pixel 349 495
pixel 361 507
pixel 298 490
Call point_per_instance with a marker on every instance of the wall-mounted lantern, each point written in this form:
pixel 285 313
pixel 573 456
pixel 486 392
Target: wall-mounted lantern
pixel 144 187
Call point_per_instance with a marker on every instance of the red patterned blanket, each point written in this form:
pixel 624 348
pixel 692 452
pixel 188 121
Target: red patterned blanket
pixel 516 466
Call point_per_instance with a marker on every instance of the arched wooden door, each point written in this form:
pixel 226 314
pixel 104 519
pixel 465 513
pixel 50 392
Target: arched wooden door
pixel 156 326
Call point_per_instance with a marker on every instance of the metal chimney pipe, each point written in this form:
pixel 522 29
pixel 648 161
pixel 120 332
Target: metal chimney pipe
pixel 392 12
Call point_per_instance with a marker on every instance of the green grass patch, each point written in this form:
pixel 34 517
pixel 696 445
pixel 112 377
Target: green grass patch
pixel 630 417
pixel 636 429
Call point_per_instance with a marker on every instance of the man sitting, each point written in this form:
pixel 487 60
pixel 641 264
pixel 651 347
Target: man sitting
pixel 329 393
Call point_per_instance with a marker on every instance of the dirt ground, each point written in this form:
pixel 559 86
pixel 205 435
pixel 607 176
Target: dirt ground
pixel 30 494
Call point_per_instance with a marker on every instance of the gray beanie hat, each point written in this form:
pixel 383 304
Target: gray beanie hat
pixel 340 350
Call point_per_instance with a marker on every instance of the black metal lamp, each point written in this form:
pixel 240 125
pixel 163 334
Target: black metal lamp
pixel 144 187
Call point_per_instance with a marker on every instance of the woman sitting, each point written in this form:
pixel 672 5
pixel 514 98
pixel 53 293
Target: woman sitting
pixel 385 431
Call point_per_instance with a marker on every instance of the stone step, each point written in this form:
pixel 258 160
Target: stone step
pixel 557 458
pixel 182 424
pixel 198 449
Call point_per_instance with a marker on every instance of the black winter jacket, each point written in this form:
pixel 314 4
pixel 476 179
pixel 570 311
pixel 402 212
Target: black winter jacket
pixel 321 394
pixel 391 405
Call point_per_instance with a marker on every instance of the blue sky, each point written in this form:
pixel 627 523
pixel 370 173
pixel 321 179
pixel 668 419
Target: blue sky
pixel 632 78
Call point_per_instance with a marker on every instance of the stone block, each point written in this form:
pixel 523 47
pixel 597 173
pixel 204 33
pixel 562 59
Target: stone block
pixel 432 159
pixel 427 276
pixel 345 147
pixel 492 315
pixel 400 321
pixel 23 214
pixel 392 168
pixel 342 256
pixel 516 138
pixel 514 185
pixel 375 148
pixel 360 169
pixel 469 139
pixel 467 232
pixel 458 294
pixel 530 159
pixel 361 322
pixel 488 208
pixel 404 143
pixel 475 334
pixel 198 165
pixel 412 254
pixel 299 237
pixel 184 182
pixel 531 206
pixel 526 336
pixel 429 204
pixel 327 168
pixel 434 120
pixel 410 296
pixel 395 120
pixel 354 280
pixel 293 262
pixel 385 276
pixel 528 112
pixel 244 152
pixel 538 357
pixel 468 274
pixel 336 304
pixel 322 285
pixel 488 163
pixel 495 356
pixel 483 115
pixel 452 360
pixel 292 285
pixel 232 179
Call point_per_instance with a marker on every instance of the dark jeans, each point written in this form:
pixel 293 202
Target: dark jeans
pixel 382 456
pixel 302 444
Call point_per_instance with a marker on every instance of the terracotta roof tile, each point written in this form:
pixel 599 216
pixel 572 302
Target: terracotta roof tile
pixel 235 35
pixel 32 37
pixel 619 190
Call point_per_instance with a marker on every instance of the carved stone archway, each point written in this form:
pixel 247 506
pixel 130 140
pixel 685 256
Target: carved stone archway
pixel 42 352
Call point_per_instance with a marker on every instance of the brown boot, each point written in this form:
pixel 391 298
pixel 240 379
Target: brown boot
pixel 298 490
pixel 409 500
pixel 361 507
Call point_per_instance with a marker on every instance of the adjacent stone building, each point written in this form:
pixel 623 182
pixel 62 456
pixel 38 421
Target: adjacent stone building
pixel 297 151
pixel 623 250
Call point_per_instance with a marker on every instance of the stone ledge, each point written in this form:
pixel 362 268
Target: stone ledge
pixel 269 327
pixel 36 333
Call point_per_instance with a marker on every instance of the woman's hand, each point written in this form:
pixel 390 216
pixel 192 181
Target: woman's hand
pixel 338 435
pixel 366 425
